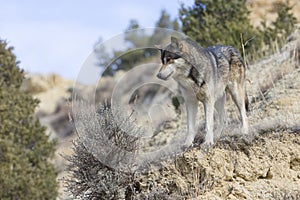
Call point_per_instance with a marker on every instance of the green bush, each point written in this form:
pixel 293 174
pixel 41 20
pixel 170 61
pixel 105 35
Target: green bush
pixel 25 149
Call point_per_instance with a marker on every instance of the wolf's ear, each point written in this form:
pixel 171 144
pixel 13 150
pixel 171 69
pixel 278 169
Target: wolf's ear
pixel 177 43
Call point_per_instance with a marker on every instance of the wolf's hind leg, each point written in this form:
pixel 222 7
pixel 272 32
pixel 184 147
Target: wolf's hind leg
pixel 237 92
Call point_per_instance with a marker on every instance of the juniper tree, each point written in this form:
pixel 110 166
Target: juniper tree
pixel 25 149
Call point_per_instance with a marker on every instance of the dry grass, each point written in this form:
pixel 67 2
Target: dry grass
pixel 286 195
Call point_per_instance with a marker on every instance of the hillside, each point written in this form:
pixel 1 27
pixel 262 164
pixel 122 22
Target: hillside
pixel 265 10
pixel 265 165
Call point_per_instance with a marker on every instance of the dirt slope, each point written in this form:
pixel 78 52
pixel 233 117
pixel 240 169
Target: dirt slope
pixel 264 165
pixel 268 168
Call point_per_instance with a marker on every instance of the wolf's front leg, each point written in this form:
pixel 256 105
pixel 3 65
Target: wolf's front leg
pixel 209 121
pixel 191 104
pixel 192 109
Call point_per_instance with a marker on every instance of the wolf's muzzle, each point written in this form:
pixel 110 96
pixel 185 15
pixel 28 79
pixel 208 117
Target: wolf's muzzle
pixel 160 76
pixel 164 77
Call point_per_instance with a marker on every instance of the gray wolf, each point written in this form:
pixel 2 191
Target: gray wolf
pixel 205 75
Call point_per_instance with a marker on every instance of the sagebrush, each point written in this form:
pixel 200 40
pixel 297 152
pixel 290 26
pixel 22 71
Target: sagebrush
pixel 97 177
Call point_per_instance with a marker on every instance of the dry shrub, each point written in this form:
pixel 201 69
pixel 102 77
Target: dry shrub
pixel 94 178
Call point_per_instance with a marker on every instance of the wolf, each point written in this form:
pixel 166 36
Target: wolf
pixel 205 75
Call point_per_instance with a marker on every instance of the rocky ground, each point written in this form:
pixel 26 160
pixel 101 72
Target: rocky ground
pixel 266 168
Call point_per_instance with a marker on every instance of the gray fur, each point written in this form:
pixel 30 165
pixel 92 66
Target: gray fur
pixel 205 74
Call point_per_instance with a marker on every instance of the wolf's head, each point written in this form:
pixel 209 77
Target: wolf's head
pixel 172 62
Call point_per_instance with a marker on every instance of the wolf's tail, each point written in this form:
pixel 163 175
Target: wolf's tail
pixel 237 58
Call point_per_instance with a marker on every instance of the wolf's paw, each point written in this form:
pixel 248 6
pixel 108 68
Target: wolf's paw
pixel 188 143
pixel 186 147
pixel 245 131
pixel 207 145
pixel 209 141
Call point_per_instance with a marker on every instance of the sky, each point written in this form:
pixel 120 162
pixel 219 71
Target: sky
pixel 58 36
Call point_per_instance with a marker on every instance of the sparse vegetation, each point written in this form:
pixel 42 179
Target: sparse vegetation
pixel 25 149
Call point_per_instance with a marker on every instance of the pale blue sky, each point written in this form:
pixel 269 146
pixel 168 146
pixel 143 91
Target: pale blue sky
pixel 57 36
